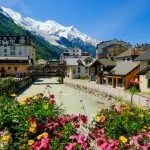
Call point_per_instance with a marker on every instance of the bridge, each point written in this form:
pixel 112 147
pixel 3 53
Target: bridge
pixel 50 69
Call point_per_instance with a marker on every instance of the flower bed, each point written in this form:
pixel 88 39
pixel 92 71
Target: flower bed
pixel 126 127
pixel 37 123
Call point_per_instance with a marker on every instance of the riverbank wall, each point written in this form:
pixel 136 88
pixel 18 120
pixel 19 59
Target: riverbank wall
pixel 89 90
pixel 107 92
pixel 11 85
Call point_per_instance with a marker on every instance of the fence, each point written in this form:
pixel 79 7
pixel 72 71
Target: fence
pixel 116 92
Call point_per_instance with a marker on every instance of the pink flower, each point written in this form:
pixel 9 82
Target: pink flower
pixel 73 117
pixel 52 125
pixel 76 125
pixel 70 146
pixel 81 139
pixel 59 135
pixel 101 141
pixel 85 145
pixel 83 118
pixel 104 146
pixel 73 137
pixel 62 119
pixel 43 144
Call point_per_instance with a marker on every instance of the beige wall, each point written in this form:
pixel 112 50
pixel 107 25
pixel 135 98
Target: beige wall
pixel 144 78
pixel 21 68
pixel 144 83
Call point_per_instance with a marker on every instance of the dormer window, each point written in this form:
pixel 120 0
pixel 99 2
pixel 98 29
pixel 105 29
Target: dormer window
pixel 79 62
pixel 22 41
pixel 11 42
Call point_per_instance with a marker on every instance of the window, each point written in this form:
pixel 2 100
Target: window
pixel 148 83
pixel 3 69
pixel 11 42
pixel 22 42
pixel 5 55
pixel 120 82
pixel 9 68
pixel 5 50
pixel 20 53
pixel 15 68
pixel 12 53
pixel 79 70
pixel 109 81
pixel 128 59
pixel 86 70
pixel 5 45
pixel 74 71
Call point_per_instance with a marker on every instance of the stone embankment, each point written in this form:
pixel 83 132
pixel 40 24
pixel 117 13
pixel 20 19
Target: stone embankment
pixel 107 92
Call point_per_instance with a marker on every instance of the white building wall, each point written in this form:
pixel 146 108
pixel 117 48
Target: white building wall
pixel 73 73
pixel 74 52
pixel 19 51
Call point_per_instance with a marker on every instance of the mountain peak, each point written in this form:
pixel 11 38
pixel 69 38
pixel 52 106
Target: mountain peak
pixel 52 31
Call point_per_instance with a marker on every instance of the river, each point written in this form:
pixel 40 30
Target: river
pixel 69 98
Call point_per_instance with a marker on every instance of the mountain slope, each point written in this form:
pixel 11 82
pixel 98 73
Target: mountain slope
pixel 43 48
pixel 53 32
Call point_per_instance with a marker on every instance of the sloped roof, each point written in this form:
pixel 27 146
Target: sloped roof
pixel 123 68
pixel 144 70
pixel 130 52
pixel 74 61
pixel 145 56
pixel 104 61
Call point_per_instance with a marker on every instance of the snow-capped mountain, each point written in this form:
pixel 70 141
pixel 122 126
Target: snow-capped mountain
pixel 53 32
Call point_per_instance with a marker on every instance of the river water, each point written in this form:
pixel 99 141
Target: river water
pixel 72 100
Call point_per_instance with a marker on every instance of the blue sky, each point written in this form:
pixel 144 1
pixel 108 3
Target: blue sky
pixel 128 20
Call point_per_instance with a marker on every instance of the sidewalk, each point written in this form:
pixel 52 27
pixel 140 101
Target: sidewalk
pixel 138 99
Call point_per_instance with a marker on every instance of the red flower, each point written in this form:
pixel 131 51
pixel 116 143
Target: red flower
pixel 113 107
pixel 53 102
pixel 52 96
pixel 92 136
pixel 52 125
pixel 83 118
